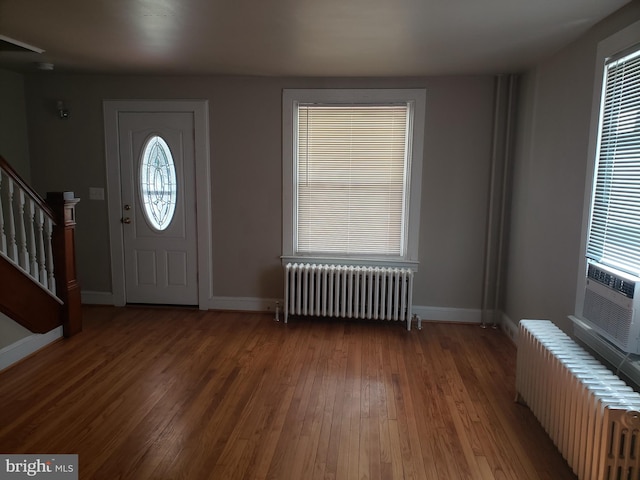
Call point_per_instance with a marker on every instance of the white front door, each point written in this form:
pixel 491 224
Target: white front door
pixel 158 201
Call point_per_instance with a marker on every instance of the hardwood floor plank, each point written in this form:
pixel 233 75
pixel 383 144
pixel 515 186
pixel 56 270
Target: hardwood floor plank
pixel 173 393
pixel 473 471
pixel 354 416
pixel 414 466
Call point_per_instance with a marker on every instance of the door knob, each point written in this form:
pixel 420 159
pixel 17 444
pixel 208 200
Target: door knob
pixel 126 220
pixel 127 207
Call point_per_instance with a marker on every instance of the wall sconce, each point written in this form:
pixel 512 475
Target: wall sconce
pixel 63 112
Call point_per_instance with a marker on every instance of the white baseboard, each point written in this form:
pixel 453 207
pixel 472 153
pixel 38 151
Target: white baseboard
pixel 247 304
pixel 509 327
pixel 96 298
pixel 26 346
pixel 254 304
pixel 445 314
pixel 258 304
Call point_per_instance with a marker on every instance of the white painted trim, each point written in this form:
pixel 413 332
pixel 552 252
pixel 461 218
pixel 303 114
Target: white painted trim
pixel 427 314
pixel 26 46
pixel 97 298
pixel 290 100
pixel 26 346
pixel 258 304
pixel 509 327
pixel 608 47
pixel 200 111
pixel 248 304
pixel 607 353
pixel 446 314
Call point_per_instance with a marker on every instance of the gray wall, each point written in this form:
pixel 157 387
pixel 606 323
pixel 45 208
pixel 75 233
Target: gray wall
pixel 11 332
pixel 549 177
pixel 245 136
pixel 14 149
pixel 246 166
pixel 13 123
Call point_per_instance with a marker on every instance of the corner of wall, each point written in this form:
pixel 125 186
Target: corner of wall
pixel 509 327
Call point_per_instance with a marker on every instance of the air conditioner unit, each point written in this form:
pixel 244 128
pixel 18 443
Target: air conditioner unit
pixel 612 306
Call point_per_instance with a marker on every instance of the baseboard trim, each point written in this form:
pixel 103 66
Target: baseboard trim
pixel 97 298
pixel 445 314
pixel 255 304
pixel 509 327
pixel 259 304
pixel 26 346
pixel 246 304
pixel 249 304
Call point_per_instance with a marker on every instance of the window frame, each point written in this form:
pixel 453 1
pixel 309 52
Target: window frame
pixel 290 100
pixel 143 194
pixel 609 48
pixel 607 202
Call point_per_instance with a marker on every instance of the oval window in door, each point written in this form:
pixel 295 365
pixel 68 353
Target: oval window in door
pixel 158 187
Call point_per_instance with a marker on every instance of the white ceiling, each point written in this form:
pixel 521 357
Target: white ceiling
pixel 294 37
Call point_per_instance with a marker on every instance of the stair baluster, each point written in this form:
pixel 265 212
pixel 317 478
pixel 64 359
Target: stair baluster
pixel 41 260
pixel 12 251
pixel 37 242
pixel 24 253
pixel 3 237
pixel 31 235
pixel 51 279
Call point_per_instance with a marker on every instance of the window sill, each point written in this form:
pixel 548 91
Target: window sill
pixel 619 362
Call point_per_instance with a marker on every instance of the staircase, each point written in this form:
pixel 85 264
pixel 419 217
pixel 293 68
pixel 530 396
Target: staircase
pixel 38 285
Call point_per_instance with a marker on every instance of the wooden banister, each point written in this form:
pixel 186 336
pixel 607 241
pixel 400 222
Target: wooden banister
pixel 9 170
pixel 63 205
pixel 37 254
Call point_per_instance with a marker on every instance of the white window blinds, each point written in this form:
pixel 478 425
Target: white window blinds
pixel 614 233
pixel 351 179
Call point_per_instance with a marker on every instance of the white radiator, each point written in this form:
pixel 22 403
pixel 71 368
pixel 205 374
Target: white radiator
pixel 373 293
pixel 589 413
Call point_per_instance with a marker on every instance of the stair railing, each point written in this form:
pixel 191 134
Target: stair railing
pixel 26 229
pixel 38 238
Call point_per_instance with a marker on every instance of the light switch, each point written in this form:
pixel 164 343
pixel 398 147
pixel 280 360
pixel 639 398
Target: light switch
pixel 96 193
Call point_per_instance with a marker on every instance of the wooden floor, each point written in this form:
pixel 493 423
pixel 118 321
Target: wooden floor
pixel 184 394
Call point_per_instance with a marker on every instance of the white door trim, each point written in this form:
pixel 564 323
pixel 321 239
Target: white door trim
pixel 200 110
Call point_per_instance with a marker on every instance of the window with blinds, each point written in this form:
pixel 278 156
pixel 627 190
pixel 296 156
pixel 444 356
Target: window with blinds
pixel 351 178
pixel 352 174
pixel 614 231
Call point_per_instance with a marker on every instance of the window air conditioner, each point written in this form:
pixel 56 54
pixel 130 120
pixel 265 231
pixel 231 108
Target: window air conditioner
pixel 612 306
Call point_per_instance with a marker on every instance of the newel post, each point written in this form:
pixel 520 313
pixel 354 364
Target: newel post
pixel 63 205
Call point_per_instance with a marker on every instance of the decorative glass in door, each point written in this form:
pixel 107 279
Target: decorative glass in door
pixel 158 187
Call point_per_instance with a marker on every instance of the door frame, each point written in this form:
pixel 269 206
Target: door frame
pixel 200 111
